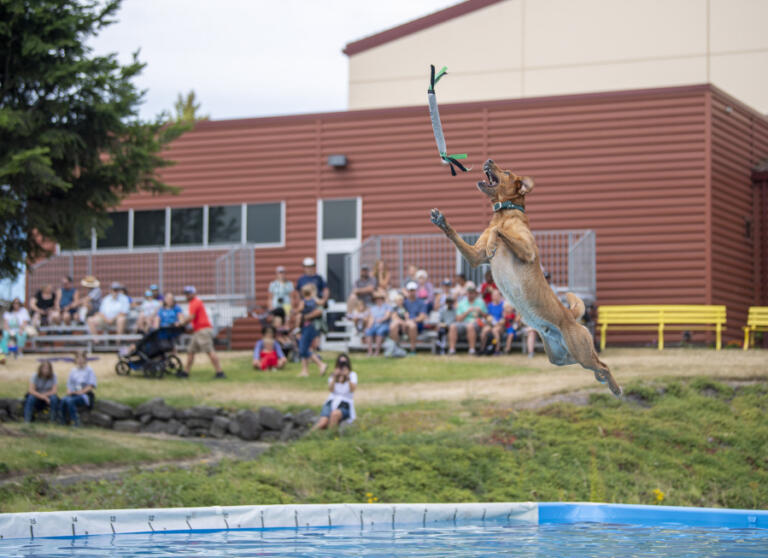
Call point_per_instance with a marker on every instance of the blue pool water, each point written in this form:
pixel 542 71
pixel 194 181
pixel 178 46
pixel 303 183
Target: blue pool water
pixel 485 539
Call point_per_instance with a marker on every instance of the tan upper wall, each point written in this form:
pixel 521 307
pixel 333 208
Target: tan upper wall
pixel 532 48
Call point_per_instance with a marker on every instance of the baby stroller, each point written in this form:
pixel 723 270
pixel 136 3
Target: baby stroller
pixel 153 354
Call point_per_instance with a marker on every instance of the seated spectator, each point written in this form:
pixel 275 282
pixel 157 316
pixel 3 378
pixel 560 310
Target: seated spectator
pixel 459 289
pixel 382 275
pixel 89 305
pixel 468 311
pixel 80 390
pixel 16 320
pixel 488 286
pixel 42 393
pixel 359 315
pixel 43 306
pixel 340 404
pixel 511 325
pixel 410 275
pixel 442 293
pixel 284 338
pixel 399 313
pixel 416 317
pixel 68 300
pixel 267 354
pixel 148 309
pixel 378 327
pixel 113 311
pixel 156 294
pixel 279 292
pixel 424 290
pixel 493 329
pixel 446 318
pixel 364 287
pixel 169 314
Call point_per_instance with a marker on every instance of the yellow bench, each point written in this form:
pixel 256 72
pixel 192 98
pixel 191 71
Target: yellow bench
pixel 659 317
pixel 757 320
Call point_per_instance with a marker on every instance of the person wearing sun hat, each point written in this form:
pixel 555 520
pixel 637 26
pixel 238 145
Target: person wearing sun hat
pixel 89 304
pixel 379 328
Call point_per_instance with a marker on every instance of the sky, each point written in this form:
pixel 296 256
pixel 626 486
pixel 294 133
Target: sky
pixel 246 58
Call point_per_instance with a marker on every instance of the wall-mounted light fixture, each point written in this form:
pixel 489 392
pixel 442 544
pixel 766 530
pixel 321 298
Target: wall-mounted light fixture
pixel 337 161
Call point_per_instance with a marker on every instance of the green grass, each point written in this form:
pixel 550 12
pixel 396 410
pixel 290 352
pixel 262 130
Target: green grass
pixel 201 388
pixel 31 448
pixel 694 442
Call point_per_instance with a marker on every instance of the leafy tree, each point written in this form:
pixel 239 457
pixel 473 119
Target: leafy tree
pixel 186 108
pixel 71 143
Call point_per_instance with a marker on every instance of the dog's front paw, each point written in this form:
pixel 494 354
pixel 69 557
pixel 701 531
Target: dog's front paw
pixel 438 219
pixel 490 251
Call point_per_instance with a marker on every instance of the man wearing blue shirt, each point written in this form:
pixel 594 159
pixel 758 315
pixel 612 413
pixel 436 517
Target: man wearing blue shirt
pixel 311 276
pixel 417 316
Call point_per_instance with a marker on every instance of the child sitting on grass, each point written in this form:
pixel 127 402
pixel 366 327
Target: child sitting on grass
pixel 267 354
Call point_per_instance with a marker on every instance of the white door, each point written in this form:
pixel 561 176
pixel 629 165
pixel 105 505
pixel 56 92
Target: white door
pixel 339 232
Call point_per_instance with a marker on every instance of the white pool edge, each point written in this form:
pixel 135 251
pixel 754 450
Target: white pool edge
pixel 219 518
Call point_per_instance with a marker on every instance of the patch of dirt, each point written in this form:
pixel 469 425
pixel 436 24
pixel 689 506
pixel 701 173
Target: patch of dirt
pixel 220 449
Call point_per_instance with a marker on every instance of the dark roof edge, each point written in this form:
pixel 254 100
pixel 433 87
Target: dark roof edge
pixel 452 107
pixel 416 25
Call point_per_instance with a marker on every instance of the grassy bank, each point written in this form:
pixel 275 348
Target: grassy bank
pixel 689 442
pixel 33 448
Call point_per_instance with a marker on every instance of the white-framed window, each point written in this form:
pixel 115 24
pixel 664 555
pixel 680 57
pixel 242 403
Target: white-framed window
pixel 261 225
pixel 265 224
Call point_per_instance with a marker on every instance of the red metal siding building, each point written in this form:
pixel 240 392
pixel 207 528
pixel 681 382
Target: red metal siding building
pixel 664 178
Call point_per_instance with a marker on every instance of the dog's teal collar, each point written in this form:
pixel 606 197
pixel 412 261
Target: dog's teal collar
pixel 498 206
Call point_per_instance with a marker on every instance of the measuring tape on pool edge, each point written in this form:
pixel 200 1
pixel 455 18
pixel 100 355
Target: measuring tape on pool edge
pixel 437 127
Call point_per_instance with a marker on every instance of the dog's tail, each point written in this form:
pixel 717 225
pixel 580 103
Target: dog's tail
pixel 576 305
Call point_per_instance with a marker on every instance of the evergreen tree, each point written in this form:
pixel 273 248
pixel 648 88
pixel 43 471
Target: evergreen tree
pixel 186 108
pixel 71 143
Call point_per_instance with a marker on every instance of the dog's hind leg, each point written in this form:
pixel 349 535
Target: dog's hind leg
pixel 580 346
pixel 476 254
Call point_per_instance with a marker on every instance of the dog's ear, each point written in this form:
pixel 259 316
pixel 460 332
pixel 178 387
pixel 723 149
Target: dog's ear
pixel 526 184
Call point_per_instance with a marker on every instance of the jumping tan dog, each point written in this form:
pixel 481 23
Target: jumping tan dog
pixel 509 246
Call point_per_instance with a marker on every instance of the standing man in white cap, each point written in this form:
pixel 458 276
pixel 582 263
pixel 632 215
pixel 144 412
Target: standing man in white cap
pixel 202 336
pixel 311 276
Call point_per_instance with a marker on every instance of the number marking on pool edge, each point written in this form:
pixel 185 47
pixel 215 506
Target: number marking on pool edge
pixel 262 518
pixel 296 517
pixel 424 519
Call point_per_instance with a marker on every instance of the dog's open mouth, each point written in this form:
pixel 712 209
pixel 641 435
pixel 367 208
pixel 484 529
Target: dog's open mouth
pixel 492 179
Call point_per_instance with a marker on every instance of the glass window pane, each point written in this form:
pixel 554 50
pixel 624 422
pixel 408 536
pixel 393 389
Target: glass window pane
pixel 339 219
pixel 186 226
pixel 149 228
pixel 224 224
pixel 116 236
pixel 264 223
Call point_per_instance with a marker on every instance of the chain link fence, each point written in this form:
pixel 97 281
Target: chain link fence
pixel 568 255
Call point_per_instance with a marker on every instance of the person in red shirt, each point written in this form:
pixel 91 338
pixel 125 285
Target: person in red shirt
pixel 202 336
pixel 487 288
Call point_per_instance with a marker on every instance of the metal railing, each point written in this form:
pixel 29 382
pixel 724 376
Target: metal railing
pixel 235 285
pixel 224 278
pixel 569 255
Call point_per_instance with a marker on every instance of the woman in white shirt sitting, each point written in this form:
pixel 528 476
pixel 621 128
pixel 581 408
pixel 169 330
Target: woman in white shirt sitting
pixel 340 404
